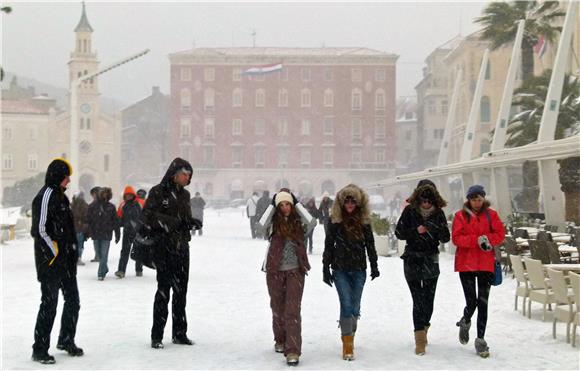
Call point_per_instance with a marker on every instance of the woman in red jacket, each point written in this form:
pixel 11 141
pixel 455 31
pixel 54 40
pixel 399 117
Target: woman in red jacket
pixel 476 229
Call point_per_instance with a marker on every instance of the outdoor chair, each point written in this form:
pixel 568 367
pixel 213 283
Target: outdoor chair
pixel 575 281
pixel 544 236
pixel 511 248
pixel 523 287
pixel 564 308
pixel 540 291
pixel 521 233
pixel 539 251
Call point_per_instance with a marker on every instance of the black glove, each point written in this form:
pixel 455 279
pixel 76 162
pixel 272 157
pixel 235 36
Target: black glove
pixel 327 277
pixel 197 224
pixel 117 239
pixel 375 273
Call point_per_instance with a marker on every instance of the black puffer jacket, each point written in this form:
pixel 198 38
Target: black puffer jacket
pixel 342 254
pixel 167 211
pixel 52 221
pixel 102 221
pixel 131 217
pixel 422 250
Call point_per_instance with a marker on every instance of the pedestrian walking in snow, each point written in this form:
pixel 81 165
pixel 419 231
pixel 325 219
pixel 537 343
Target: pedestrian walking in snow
pixel 310 206
pixel 79 209
pixel 261 206
pixel 286 266
pixel 324 211
pixel 141 196
pixel 56 258
pixel 102 221
pixel 129 214
pixel 348 241
pixel 95 197
pixel 251 213
pixel 197 206
pixel 423 226
pixel 167 214
pixel 476 230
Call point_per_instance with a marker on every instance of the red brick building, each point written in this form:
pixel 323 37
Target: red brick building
pixel 323 118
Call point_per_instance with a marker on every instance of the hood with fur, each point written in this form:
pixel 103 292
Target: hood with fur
pixel 362 201
pixel 430 192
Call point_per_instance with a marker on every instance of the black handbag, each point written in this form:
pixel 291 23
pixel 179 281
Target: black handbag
pixel 144 246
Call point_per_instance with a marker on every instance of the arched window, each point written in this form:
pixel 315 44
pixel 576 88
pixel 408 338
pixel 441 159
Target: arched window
pixel 328 98
pixel 185 99
pixel 488 71
pixel 237 97
pixel 260 98
pixel 485 112
pixel 82 123
pixel 380 100
pixel 283 98
pixel 305 100
pixel 356 99
pixel 209 99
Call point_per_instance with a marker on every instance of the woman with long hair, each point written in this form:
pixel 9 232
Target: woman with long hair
pixel 423 226
pixel 477 229
pixel 349 239
pixel 286 267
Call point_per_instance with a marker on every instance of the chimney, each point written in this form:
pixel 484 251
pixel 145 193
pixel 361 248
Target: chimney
pixel 156 90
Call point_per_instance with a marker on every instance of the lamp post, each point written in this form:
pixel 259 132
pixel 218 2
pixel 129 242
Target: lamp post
pixel 74 126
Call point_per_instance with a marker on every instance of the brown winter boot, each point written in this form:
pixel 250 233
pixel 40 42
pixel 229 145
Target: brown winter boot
pixel 347 347
pixel 426 333
pixel 420 342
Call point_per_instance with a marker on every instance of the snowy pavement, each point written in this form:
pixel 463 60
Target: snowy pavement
pixel 229 316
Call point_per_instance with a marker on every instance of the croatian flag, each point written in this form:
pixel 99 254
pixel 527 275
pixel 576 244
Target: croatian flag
pixel 262 70
pixel 540 47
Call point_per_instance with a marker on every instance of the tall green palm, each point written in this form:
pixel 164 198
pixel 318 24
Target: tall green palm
pixel 7 10
pixel 524 127
pixel 499 21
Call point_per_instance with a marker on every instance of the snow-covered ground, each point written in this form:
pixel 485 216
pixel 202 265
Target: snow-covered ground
pixel 229 316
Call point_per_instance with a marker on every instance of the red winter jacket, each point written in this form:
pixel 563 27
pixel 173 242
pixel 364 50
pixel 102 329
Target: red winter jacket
pixel 469 256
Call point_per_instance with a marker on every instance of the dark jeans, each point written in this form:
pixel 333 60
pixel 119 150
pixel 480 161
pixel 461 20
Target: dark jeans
pixel 477 299
pixel 126 252
pixel 173 274
pixel 309 242
pixel 349 285
pixel 80 244
pixel 423 293
pixel 47 313
pixel 102 248
pixel 253 225
pixel 286 289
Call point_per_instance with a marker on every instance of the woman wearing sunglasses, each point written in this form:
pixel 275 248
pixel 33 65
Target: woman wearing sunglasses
pixel 423 226
pixel 349 239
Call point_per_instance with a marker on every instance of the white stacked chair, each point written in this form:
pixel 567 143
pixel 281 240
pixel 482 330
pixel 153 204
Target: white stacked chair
pixel 523 287
pixel 564 310
pixel 540 292
pixel 575 282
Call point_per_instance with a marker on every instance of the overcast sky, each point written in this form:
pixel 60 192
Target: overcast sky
pixel 37 37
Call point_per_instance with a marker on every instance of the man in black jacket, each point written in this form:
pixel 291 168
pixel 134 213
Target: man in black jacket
pixel 56 262
pixel 129 212
pixel 167 213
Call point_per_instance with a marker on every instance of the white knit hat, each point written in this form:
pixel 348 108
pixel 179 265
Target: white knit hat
pixel 283 196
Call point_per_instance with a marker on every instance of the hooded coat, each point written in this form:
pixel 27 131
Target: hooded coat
pixel 167 211
pixel 52 223
pixel 422 250
pixel 102 217
pixel 340 252
pixel 79 209
pixel 129 213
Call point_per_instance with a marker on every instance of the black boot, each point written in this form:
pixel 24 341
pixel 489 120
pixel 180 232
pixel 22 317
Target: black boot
pixel 156 344
pixel 71 349
pixel 183 340
pixel 44 358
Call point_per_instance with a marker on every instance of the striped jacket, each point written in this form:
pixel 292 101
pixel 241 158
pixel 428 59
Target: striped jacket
pixel 53 232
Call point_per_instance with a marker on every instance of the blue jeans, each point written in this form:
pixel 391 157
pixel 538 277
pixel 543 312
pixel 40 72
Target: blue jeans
pixel 102 247
pixel 349 285
pixel 80 244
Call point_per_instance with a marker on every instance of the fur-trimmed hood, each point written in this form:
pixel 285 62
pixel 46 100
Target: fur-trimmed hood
pixel 432 194
pixel 361 198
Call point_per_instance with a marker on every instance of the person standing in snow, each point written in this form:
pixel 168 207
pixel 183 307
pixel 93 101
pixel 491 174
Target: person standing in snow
pixel 423 226
pixel 310 206
pixel 476 230
pixel 129 213
pixel 167 214
pixel 197 206
pixel 79 209
pixel 324 210
pixel 286 266
pixel 251 212
pixel 141 196
pixel 56 258
pixel 261 206
pixel 102 221
pixel 348 240
pixel 95 196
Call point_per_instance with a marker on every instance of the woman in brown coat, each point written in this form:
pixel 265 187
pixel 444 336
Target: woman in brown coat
pixel 286 267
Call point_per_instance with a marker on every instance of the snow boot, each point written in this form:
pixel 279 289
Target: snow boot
pixel 44 358
pixel 279 347
pixel 71 349
pixel 120 274
pixel 182 340
pixel 464 327
pixel 420 342
pixel 139 273
pixel 348 347
pixel 481 348
pixel 292 359
pixel 157 344
pixel 426 333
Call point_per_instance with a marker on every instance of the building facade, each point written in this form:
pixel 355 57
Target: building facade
pixel 407 135
pixel 260 118
pixel 144 151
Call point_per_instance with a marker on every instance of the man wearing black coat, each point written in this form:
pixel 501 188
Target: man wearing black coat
pixel 167 213
pixel 56 263
pixel 129 213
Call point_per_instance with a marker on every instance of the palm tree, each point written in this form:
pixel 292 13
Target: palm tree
pixel 499 21
pixel 524 126
pixel 7 10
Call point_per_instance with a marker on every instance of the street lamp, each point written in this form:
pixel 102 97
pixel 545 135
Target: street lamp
pixel 74 127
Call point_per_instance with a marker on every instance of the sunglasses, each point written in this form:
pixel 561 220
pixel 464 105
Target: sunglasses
pixel 426 201
pixel 350 201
